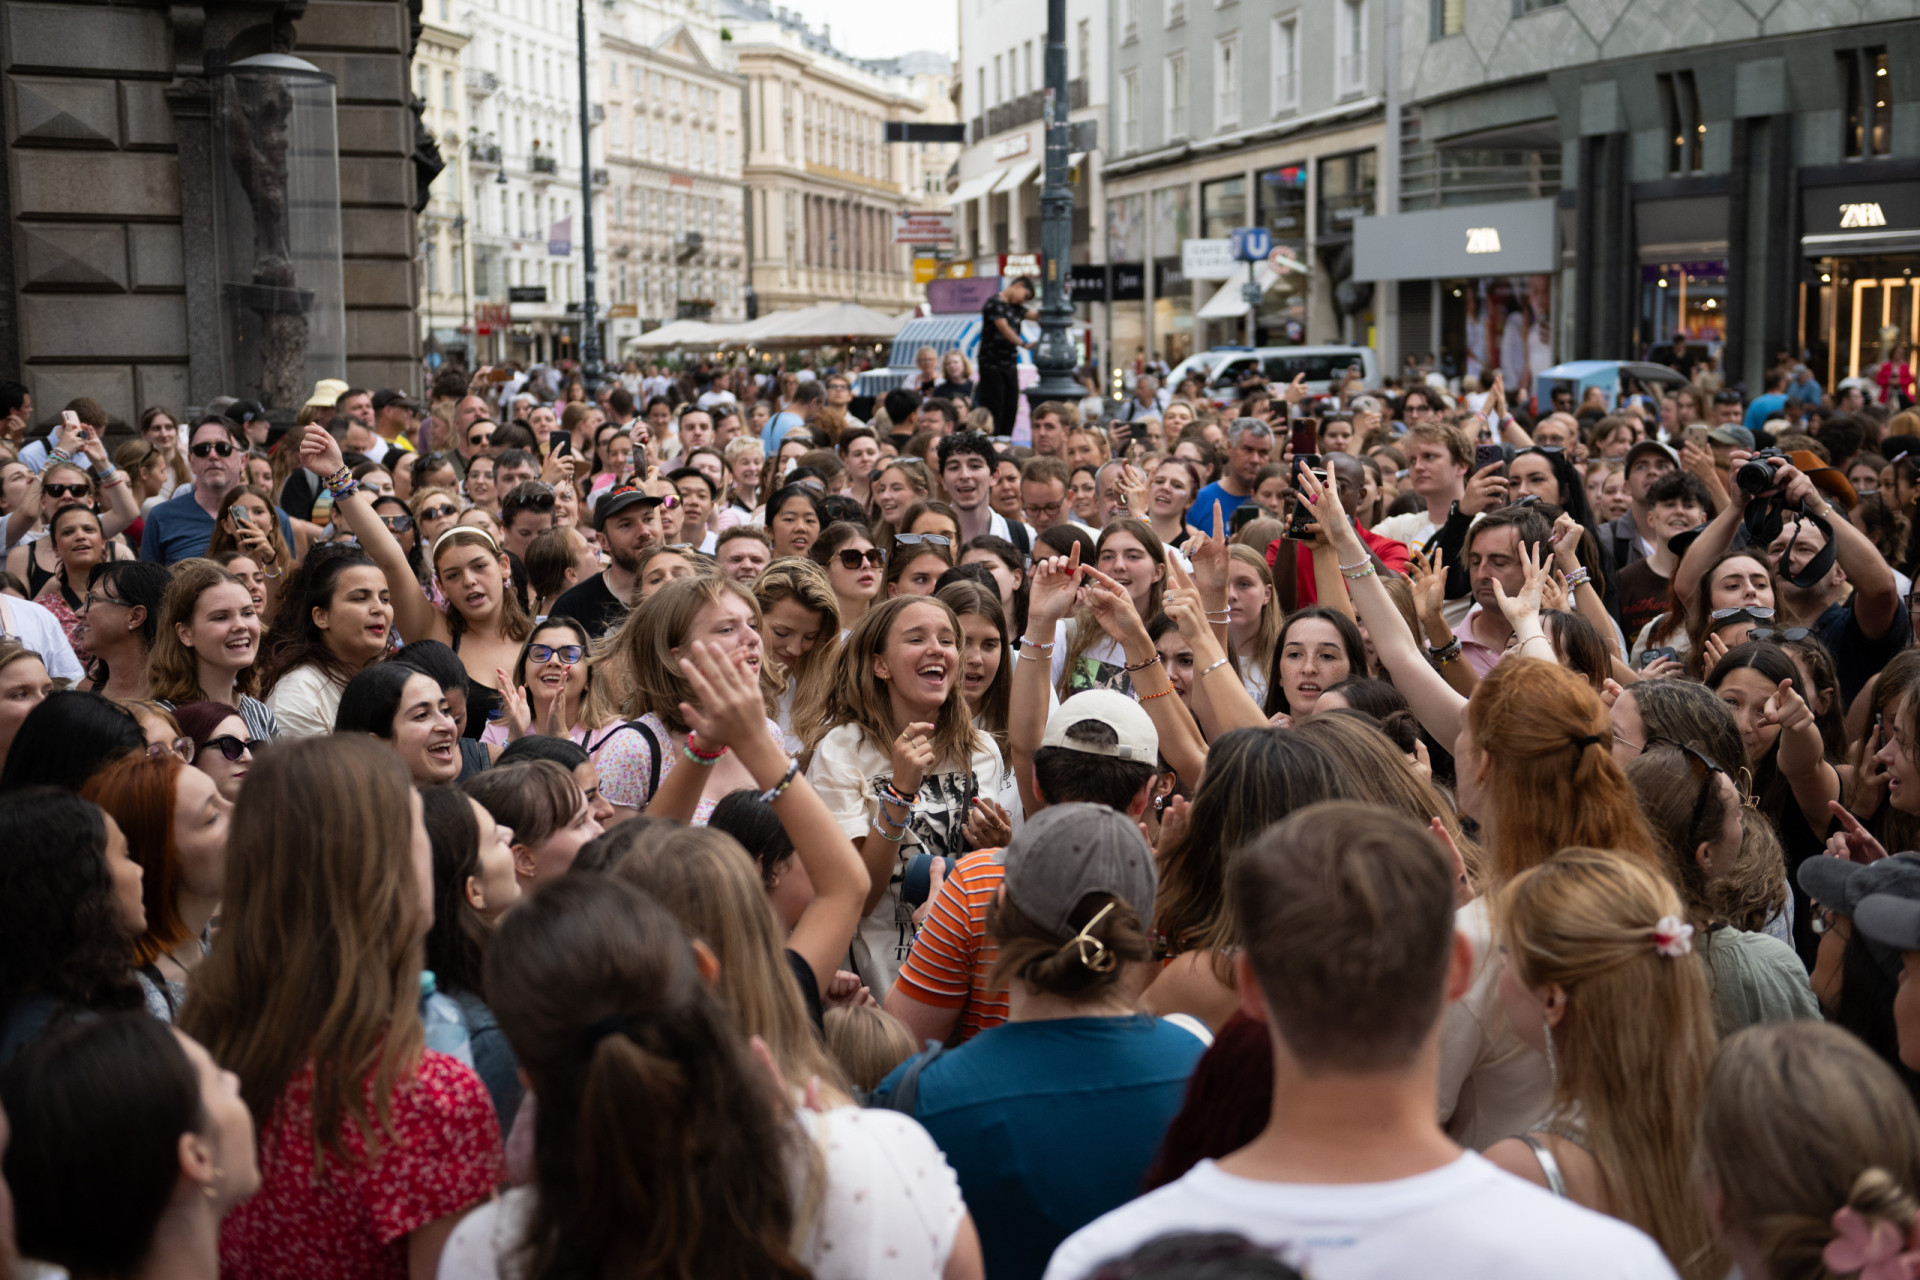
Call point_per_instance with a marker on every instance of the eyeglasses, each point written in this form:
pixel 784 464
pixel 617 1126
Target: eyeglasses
pixel 66 490
pixel 851 558
pixel 1706 783
pixel 569 654
pixel 915 539
pixel 1792 635
pixel 93 601
pixel 484 437
pixel 440 512
pixel 233 748
pixel 1754 612
pixel 398 523
pixel 1044 508
pixel 207 448
pixel 181 747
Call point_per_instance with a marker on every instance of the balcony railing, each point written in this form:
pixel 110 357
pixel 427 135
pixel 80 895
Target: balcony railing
pixel 485 152
pixel 541 163
pixel 481 83
pixel 1030 107
pixel 602 178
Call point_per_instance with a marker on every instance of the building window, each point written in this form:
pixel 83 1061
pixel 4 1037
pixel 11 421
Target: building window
pixel 1083 47
pixel 1129 21
pixel 1869 112
pixel 1130 111
pixel 980 102
pixel 1449 18
pixel 1680 110
pixel 1226 82
pixel 446 89
pixel 1027 55
pixel 1523 7
pixel 1174 85
pixel 999 84
pixel 1285 60
pixel 1350 45
pixel 423 85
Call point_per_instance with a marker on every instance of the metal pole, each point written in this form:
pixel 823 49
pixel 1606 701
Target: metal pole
pixel 590 367
pixel 1053 355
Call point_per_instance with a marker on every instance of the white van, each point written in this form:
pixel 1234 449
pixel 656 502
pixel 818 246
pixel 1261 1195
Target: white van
pixel 1224 368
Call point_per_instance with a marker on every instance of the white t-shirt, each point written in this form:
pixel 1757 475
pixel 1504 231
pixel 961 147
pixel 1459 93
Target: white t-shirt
pixel 35 627
pixel 891 1207
pixel 1467 1220
pixel 846 766
pixel 305 701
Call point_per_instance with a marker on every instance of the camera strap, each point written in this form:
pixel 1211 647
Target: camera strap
pixel 1763 522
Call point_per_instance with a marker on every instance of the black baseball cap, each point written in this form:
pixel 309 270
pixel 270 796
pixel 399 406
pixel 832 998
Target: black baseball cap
pixel 621 497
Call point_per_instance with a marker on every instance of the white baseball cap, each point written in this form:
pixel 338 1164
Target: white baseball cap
pixel 1137 739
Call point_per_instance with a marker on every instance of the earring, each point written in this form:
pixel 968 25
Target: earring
pixel 1553 1067
pixel 211 1188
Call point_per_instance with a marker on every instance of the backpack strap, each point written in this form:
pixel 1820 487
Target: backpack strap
pixel 905 1095
pixel 1018 536
pixel 653 749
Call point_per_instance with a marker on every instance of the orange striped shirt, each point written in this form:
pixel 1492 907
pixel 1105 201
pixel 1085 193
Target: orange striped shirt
pixel 951 955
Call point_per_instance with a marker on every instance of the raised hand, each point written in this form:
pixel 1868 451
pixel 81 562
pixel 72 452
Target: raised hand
pixel 1870 778
pixel 1852 842
pixel 1487 490
pixel 1110 604
pixel 515 705
pixel 1565 540
pixel 1525 605
pixel 1210 558
pixel 1174 820
pixel 845 990
pixel 1324 499
pixel 1296 391
pixel 913 755
pixel 1056 582
pixel 319 451
pixel 1787 709
pixel 730 707
pixel 1554 591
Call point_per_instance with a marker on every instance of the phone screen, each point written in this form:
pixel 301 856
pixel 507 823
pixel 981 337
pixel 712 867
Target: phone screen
pixel 1306 437
pixel 559 442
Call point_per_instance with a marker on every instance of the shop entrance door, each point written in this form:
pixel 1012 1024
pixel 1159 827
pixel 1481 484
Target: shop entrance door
pixel 1860 309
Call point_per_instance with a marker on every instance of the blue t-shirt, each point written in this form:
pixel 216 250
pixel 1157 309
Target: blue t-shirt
pixel 776 431
pixel 1764 409
pixel 1807 392
pixel 180 528
pixel 1200 514
pixel 1051 1124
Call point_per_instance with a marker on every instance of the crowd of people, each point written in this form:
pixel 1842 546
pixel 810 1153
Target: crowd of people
pixel 710 825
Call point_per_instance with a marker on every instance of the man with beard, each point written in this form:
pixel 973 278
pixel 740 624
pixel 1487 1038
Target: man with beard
pixel 628 521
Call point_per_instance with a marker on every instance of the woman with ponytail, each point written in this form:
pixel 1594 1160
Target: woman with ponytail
pixel 667 1146
pixel 1809 1156
pixel 1601 976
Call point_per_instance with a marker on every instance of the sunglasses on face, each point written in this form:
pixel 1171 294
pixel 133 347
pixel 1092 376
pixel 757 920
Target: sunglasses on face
pixel 440 512
pixel 65 490
pixel 485 437
pixel 233 748
pixel 208 448
pixel 569 654
pixel 915 539
pixel 181 747
pixel 873 557
pixel 398 523
pixel 1791 635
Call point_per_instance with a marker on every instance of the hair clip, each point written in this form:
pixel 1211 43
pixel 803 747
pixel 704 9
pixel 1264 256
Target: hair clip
pixel 1672 937
pixel 1102 960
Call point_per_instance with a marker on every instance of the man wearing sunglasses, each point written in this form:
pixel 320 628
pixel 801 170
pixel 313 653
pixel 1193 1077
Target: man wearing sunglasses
pixel 180 528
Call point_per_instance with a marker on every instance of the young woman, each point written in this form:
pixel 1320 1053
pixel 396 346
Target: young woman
pixel 121 613
pixel 221 748
pixel 745 461
pixel 66 738
pixel 854 567
pixel 986 661
pixel 551 688
pixel 208 644
pixel 1170 492
pixel 408 711
pixel 483 622
pixel 478 485
pixel 1317 649
pixel 473 885
pixel 1836 1163
pixel 901 483
pixel 799 630
pixel 636 757
pixel 24 685
pixel 175 824
pixel 247 522
pixel 1253 618
pixel 65 484
pixel 312 998
pixel 1083 492
pixel 1692 806
pixel 859 451
pixel 1176 656
pixel 610 1012
pixel 1084 656
pixel 435 510
pixel 542 805
pixel 1008 564
pixel 129 1147
pixel 657 566
pixel 335 617
pixel 899 762
pixel 1793 781
pixel 794 519
pixel 1599 975
pixel 70 908
pixel 161 430
pixel 79 546
pixel 917 562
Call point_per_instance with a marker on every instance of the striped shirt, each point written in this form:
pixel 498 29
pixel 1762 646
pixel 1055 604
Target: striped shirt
pixel 952 956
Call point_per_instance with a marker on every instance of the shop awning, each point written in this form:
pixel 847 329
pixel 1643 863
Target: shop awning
pixel 1229 301
pixel 975 187
pixel 1017 176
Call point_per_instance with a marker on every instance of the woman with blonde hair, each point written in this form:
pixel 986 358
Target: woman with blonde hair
pixel 1254 618
pixel 206 645
pixel 1600 975
pixel 800 629
pixel 901 484
pixel 746 458
pixel 900 764
pixel 371 1145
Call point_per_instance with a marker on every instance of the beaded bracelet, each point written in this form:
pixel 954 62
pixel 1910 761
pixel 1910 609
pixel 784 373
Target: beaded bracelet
pixel 1365 571
pixel 1149 697
pixel 1350 568
pixel 1215 667
pixel 1448 652
pixel 779 788
pixel 1024 643
pixel 1142 666
pixel 887 791
pixel 879 827
pixel 56 456
pixel 1579 577
pixel 1218 615
pixel 695 757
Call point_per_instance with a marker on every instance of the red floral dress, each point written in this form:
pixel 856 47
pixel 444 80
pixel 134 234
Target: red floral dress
pixel 442 1156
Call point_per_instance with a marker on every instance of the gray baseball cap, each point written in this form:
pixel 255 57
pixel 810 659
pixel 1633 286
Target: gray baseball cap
pixel 1067 851
pixel 1843 885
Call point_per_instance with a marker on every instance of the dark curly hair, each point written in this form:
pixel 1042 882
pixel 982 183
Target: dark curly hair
pixel 61 934
pixel 293 640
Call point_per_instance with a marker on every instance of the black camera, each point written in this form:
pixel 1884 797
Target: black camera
pixel 1755 475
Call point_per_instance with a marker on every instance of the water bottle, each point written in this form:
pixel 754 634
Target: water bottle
pixel 445 1025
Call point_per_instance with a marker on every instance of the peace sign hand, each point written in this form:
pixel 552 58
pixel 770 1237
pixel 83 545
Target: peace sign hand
pixel 1211 557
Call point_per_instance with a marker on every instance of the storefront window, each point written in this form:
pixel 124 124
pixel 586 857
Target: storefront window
pixel 1857 312
pixel 1173 292
pixel 1502 323
pixel 1683 297
pixel 1127 251
pixel 1223 207
pixel 1346 191
pixel 1281 197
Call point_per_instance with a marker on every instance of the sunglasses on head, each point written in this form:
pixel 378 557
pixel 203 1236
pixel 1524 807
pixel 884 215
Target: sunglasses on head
pixel 440 512
pixel 1710 767
pixel 915 539
pixel 65 490
pixel 181 747
pixel 569 654
pixel 207 448
pixel 850 558
pixel 231 747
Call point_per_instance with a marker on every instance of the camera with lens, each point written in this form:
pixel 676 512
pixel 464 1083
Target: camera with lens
pixel 1755 475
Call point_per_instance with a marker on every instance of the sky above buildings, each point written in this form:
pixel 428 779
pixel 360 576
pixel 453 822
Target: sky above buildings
pixel 884 28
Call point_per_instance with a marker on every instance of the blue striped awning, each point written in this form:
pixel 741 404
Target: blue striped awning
pixel 942 333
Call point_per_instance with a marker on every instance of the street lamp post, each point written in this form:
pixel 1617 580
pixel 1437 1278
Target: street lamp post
pixel 590 367
pixel 1053 355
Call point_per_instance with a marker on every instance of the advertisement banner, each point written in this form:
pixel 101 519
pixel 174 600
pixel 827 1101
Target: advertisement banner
pixel 923 228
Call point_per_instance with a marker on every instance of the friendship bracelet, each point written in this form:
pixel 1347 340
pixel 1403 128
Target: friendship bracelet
pixel 1349 568
pixel 896 838
pixel 779 788
pixel 881 822
pixel 1355 576
pixel 1046 648
pixel 1218 615
pixel 1142 666
pixel 887 791
pixel 694 757
pixel 1215 667
pixel 704 757
pixel 1149 697
pixel 56 456
pixel 1579 577
pixel 1448 653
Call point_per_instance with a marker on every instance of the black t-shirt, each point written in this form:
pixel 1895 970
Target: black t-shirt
pixel 1681 362
pixel 947 390
pixel 809 986
pixel 298 494
pixel 592 606
pixel 1856 656
pixel 995 350
pixel 1642 596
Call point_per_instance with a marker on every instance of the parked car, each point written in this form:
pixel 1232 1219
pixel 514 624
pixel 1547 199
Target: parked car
pixel 1577 375
pixel 1223 369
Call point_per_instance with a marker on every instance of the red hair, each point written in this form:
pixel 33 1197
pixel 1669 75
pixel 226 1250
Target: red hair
pixel 139 791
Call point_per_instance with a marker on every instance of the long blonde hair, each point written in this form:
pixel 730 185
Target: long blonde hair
pixel 173 672
pixel 642 650
pixel 321 937
pixel 712 887
pixel 1636 1043
pixel 1258 655
pixel 860 697
pixel 1799 1120
pixel 807 585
